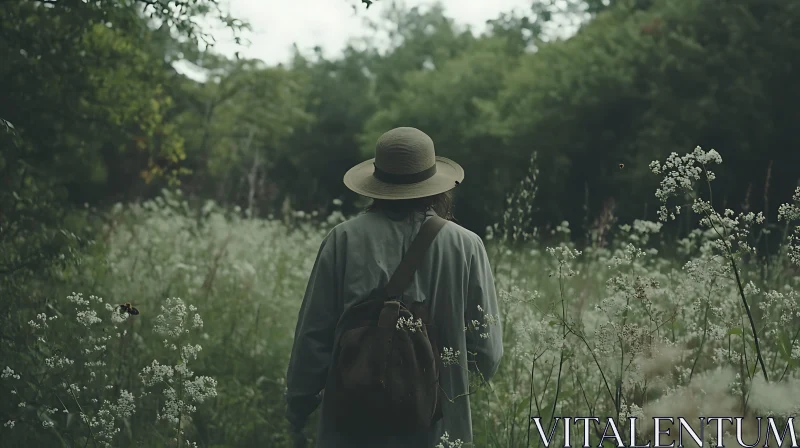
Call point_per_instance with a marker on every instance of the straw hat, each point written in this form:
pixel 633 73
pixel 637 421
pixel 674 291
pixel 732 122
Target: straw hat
pixel 405 166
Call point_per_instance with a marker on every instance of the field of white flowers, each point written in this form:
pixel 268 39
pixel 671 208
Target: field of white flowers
pixel 642 326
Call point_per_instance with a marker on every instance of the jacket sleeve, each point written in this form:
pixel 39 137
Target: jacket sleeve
pixel 313 337
pixel 484 340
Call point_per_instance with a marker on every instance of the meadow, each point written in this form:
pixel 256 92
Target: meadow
pixel 625 321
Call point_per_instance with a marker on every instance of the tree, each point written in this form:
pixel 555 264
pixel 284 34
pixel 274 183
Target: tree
pixel 86 88
pixel 636 84
pixel 236 126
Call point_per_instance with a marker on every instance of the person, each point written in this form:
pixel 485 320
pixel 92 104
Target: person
pixel 408 184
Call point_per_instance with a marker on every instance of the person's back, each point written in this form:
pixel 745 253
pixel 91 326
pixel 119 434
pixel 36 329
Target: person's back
pixel 455 278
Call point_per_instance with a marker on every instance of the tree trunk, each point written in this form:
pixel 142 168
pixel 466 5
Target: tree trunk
pixel 252 177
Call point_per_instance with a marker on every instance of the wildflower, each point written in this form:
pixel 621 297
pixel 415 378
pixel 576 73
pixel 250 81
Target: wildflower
pixel 58 361
pixel 8 372
pixel 446 443
pixel 9 424
pixel 450 356
pixel 791 212
pixel 172 318
pixel 201 388
pixel 155 373
pixel 190 351
pixel 409 324
pixel 77 298
pixel 124 407
pixel 563 253
pixel 680 174
pixel 632 410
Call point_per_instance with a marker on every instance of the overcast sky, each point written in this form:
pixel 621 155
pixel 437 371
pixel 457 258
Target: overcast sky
pixel 277 24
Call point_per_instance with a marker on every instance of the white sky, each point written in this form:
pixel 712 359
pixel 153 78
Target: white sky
pixel 277 24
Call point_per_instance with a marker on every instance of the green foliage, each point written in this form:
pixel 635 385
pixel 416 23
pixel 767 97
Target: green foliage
pixel 93 113
pixel 635 84
pixel 38 237
pixel 337 100
pixel 86 97
pixel 237 125
pixel 638 80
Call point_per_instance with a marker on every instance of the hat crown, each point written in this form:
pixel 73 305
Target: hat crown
pixel 404 150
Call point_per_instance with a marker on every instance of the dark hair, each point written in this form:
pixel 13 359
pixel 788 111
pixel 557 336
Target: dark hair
pixel 441 203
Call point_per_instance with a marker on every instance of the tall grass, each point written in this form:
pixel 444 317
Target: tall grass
pixel 615 328
pixel 619 330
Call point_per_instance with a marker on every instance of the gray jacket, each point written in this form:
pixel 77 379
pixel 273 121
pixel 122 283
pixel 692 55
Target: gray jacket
pixel 361 254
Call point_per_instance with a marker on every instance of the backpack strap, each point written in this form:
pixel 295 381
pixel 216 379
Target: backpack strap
pixel 402 277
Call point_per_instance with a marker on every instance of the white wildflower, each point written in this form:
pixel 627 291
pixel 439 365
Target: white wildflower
pixel 446 443
pixel 77 298
pixel 450 356
pixel 8 372
pixel 409 324
pixel 197 322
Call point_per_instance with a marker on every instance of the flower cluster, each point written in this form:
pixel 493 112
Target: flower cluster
pixel 182 390
pixel 172 320
pixel 565 257
pixel 483 327
pixel 446 443
pixel 86 375
pixel 450 357
pixel 8 372
pixel 788 213
pixel 409 324
pixel 680 176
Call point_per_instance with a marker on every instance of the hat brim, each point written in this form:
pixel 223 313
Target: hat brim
pixel 360 180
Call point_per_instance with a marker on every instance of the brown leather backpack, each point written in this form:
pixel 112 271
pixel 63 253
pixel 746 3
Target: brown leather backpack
pixel 384 377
